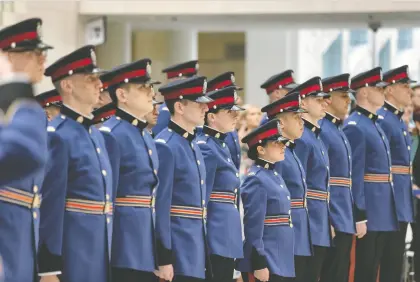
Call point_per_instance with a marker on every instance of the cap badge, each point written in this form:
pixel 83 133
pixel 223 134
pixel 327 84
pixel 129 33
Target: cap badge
pixel 278 128
pixel 93 56
pixel 135 122
pixel 197 66
pixel 320 85
pixel 148 69
pixel 80 119
pixel 232 78
pixel 39 30
pixel 235 95
pixel 205 86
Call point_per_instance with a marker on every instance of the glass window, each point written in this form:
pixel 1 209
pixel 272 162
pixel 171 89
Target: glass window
pixel 405 39
pixel 358 37
pixel 331 59
pixel 385 56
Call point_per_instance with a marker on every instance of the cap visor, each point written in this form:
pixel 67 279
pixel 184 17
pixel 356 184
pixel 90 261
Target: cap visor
pixel 203 100
pixel 43 46
pixel 154 82
pixel 351 91
pixel 411 81
pixel 382 84
pixel 236 108
pixel 97 71
pixel 323 95
pixel 239 88
pixel 291 86
pixel 282 139
pixel 157 102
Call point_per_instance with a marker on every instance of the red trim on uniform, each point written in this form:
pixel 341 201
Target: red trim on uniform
pixel 71 67
pixel 105 85
pixel 279 107
pixel 172 74
pixel 18 38
pixel 52 99
pixel 184 92
pixel 336 85
pixel 284 82
pixel 375 78
pixel 133 74
pixel 310 89
pixel 262 136
pixel 397 77
pixel 222 101
pixel 104 115
pixel 220 85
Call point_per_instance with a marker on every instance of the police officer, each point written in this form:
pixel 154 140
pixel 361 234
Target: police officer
pixel 397 97
pixel 222 184
pixel 277 86
pixel 221 81
pixel 23 152
pixel 181 214
pixel 336 266
pixel 289 113
pixel 311 152
pixel 268 228
pixel 51 102
pixel 372 186
pixel 76 223
pixel 152 117
pixel 175 72
pixel 133 246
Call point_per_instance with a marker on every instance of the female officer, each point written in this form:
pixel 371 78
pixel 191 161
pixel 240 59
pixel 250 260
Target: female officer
pixel 222 182
pixel 269 238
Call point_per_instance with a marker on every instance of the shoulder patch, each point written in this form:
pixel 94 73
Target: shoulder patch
pixel 105 129
pixel 165 109
pixel 161 141
pixel 352 123
pixel 50 128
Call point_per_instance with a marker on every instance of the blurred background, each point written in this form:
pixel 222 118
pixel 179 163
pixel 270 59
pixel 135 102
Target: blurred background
pixel 253 38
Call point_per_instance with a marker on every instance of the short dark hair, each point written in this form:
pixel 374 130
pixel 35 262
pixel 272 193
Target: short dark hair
pixel 171 105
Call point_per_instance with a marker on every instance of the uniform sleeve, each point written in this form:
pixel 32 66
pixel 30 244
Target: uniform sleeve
pixel 163 120
pixel 358 149
pixel 210 161
pixel 23 141
pixel 254 199
pixel 113 150
pixel 163 203
pixel 53 206
pixel 303 152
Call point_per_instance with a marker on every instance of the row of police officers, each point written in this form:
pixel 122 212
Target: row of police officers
pixel 99 194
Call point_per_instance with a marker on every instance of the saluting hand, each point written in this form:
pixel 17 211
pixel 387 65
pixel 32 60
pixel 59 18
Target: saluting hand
pixel 262 274
pixel 361 229
pixel 165 272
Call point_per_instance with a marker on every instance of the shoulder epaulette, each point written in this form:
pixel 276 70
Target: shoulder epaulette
pixel 105 129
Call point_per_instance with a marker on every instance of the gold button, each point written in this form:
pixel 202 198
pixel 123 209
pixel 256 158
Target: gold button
pixel 409 148
pixel 155 171
pixel 224 145
pixel 405 133
pixel 275 173
pixel 291 224
pixel 150 152
pixel 98 150
pixel 90 131
pixel 35 188
pixel 108 220
pixel 107 196
pixel 198 162
pixel 202 181
pixel 35 215
pixel 192 146
pixel 237 174
pixel 236 190
pixel 204 202
pixel 104 172
pixel 288 197
pixel 228 160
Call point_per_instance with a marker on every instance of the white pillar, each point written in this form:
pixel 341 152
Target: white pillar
pixel 117 48
pixel 267 52
pixel 183 46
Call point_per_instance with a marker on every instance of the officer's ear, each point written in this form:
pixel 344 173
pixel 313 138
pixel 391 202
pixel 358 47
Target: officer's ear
pixel 260 151
pixel 121 95
pixel 179 107
pixel 64 86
